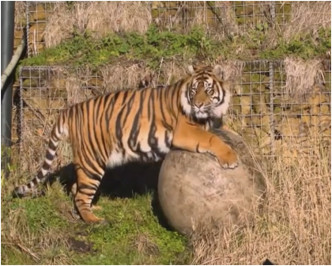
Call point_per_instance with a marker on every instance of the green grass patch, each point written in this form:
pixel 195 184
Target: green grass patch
pixel 134 236
pixel 152 46
pixel 155 45
pixel 41 230
pixel 303 46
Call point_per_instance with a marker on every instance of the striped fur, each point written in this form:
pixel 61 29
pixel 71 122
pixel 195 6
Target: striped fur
pixel 137 125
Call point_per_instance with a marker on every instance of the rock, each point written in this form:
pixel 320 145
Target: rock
pixel 195 191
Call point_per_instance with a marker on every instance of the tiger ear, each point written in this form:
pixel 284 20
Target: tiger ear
pixel 218 72
pixel 191 69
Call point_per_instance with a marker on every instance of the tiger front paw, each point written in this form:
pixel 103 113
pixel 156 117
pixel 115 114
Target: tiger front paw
pixel 228 159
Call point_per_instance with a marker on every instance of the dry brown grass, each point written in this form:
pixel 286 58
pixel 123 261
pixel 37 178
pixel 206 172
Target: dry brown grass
pixel 126 75
pixel 231 69
pixel 34 148
pixel 122 76
pixel 20 14
pixel 295 226
pixel 97 18
pixel 308 18
pixel 145 245
pixel 217 18
pixel 302 75
pixel 220 19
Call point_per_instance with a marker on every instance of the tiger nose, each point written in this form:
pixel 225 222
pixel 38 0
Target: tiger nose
pixel 199 105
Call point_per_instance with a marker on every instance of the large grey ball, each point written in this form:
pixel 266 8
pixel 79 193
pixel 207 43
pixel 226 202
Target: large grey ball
pixel 194 190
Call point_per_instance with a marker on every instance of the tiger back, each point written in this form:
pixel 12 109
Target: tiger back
pixel 137 125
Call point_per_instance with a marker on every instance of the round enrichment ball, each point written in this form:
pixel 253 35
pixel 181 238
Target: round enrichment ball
pixel 194 190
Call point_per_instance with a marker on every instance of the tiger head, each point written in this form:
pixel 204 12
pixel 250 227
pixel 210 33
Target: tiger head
pixel 204 95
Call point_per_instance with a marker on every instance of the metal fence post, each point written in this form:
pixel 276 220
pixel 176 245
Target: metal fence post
pixel 7 45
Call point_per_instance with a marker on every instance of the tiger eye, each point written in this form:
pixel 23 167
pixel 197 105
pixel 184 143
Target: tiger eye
pixel 210 92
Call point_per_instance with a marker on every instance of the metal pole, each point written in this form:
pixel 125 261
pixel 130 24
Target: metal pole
pixel 7 44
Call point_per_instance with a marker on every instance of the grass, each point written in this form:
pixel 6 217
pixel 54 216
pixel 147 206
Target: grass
pixel 302 46
pixel 293 226
pixel 155 46
pixel 42 231
pixel 151 46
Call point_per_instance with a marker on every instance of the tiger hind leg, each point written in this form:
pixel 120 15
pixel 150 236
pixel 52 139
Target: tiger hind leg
pixel 74 211
pixel 85 192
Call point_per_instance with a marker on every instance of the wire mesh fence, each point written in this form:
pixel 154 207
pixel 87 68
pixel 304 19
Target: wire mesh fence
pixel 221 16
pixel 272 119
pixel 232 16
pixel 218 18
pixel 37 17
pixel 43 92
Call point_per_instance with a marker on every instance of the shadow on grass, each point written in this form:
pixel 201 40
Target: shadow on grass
pixel 124 181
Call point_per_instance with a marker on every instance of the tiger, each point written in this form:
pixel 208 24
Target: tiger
pixel 137 125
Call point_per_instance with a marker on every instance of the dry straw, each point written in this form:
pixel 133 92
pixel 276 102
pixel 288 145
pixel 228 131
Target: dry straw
pixel 97 18
pixel 302 75
pixel 129 75
pixel 294 225
pixel 122 76
pixel 216 17
pixel 231 69
pixel 20 13
pixel 308 17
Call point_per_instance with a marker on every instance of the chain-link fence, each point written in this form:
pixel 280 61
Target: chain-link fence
pixel 43 92
pixel 272 118
pixel 37 16
pixel 221 16
pixel 222 19
pixel 277 119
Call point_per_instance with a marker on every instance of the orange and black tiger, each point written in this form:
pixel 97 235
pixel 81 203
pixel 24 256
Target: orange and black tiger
pixel 138 125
